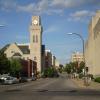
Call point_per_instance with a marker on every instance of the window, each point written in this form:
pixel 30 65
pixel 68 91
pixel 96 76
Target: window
pixel 33 38
pixel 35 58
pixel 12 52
pixel 36 38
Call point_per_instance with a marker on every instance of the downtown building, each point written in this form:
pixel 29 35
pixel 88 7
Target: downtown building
pixel 32 53
pixel 50 60
pixel 92 46
pixel 77 57
pixel 34 57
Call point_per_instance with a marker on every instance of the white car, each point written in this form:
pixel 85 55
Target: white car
pixel 10 80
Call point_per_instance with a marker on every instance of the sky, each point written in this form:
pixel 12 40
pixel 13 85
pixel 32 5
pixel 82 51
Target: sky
pixel 58 17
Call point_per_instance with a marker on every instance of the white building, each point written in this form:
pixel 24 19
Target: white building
pixel 92 46
pixel 77 57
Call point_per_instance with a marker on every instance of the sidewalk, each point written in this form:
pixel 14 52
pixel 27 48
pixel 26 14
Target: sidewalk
pixel 93 85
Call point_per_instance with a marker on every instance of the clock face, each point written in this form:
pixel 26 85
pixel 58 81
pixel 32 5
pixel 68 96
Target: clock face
pixel 35 22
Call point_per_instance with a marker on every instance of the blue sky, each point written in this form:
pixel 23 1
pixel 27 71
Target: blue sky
pixel 58 18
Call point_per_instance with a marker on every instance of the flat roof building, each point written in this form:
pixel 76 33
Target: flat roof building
pixel 92 46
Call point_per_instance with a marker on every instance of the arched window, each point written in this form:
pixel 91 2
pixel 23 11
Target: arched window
pixel 33 38
pixel 36 38
pixel 35 58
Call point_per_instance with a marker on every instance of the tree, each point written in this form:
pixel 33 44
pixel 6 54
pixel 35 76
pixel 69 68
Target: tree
pixel 71 67
pixel 15 67
pixel 68 68
pixel 50 72
pixel 4 63
pixel 60 69
pixel 81 67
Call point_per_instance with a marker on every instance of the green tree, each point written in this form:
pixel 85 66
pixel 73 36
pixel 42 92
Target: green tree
pixel 71 67
pixel 4 63
pixel 50 72
pixel 68 68
pixel 81 67
pixel 15 67
pixel 61 68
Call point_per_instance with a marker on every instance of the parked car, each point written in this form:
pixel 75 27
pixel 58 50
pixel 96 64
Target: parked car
pixel 26 79
pixel 9 80
pixel 2 79
pixel 23 79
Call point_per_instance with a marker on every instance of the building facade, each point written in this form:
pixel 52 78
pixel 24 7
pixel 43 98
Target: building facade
pixel 77 57
pixel 33 50
pixel 36 41
pixel 57 64
pixel 15 50
pixel 21 52
pixel 48 59
pixel 53 61
pixel 92 46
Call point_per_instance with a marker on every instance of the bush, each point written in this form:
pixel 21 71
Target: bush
pixel 50 72
pixel 90 75
pixel 81 75
pixel 97 79
pixel 15 67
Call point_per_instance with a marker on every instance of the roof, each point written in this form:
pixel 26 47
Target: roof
pixel 5 47
pixel 24 49
pixel 17 54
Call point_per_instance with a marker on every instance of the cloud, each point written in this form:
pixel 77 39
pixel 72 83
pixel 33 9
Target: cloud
pixel 80 15
pixel 73 3
pixel 51 29
pixel 38 8
pixel 66 3
pixel 46 6
pixel 49 7
pixel 26 8
pixel 55 11
pixel 7 5
pixel 19 37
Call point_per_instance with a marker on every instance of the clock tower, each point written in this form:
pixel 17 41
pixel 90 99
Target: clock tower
pixel 36 41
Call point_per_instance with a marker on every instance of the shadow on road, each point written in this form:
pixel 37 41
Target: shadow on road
pixel 71 92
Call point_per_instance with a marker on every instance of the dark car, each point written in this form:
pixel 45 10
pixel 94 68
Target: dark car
pixel 26 79
pixel 23 79
pixel 56 74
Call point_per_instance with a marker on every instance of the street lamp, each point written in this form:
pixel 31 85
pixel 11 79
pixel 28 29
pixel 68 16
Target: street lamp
pixel 85 81
pixel 2 25
pixel 82 43
pixel 32 68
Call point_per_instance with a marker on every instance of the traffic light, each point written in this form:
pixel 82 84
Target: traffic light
pixel 86 69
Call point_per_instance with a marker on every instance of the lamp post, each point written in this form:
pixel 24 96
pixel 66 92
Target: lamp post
pixel 32 69
pixel 85 73
pixel 82 43
pixel 2 25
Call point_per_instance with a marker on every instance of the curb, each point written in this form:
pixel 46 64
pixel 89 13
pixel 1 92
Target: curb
pixel 80 84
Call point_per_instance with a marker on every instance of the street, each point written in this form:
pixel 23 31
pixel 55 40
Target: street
pixel 60 88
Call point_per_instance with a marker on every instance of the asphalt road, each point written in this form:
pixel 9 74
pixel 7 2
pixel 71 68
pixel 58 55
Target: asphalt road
pixel 60 88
